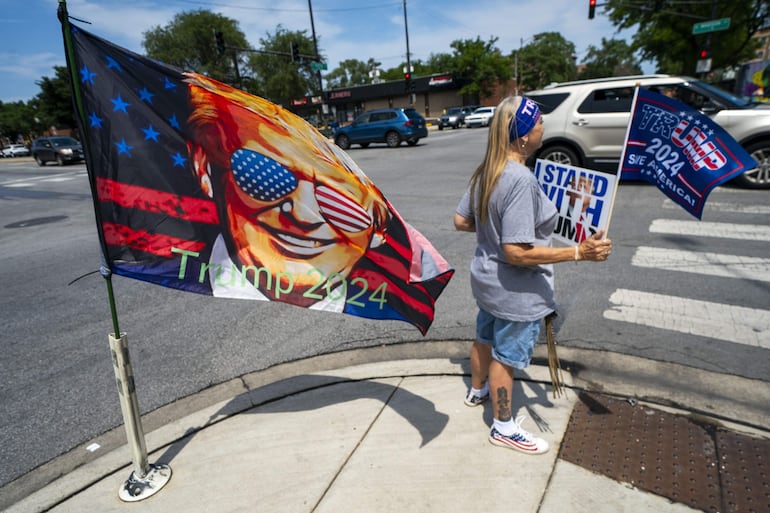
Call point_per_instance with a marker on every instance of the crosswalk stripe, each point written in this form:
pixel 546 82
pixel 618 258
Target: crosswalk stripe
pixel 712 264
pixel 706 229
pixel 736 324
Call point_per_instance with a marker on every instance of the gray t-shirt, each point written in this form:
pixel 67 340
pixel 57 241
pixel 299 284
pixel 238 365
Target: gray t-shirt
pixel 519 212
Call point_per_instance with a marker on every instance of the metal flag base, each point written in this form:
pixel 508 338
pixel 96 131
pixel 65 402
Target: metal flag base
pixel 136 489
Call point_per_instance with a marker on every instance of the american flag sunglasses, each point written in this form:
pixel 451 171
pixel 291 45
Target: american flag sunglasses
pixel 264 179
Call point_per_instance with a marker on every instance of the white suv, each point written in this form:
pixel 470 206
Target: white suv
pixel 586 121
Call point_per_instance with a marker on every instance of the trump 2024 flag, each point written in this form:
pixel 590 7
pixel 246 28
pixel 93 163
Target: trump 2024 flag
pixel 680 150
pixel 202 187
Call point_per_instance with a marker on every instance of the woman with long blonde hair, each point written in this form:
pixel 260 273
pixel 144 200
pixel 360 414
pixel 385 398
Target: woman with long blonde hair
pixel 512 271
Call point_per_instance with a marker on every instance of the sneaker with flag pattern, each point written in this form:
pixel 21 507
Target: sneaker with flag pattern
pixel 521 440
pixel 473 399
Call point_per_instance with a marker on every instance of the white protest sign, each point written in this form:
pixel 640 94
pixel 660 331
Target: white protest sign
pixel 583 198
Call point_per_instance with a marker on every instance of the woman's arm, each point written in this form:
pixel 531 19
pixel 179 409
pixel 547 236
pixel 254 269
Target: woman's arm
pixel 594 248
pixel 465 224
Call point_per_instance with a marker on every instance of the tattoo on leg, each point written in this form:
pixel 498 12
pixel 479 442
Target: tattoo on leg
pixel 503 404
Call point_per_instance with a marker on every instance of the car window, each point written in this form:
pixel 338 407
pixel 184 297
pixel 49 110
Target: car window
pixel 548 102
pixel 616 99
pixel 64 141
pixel 362 119
pixel 412 114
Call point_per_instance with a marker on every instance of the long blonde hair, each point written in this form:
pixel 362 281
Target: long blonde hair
pixel 485 176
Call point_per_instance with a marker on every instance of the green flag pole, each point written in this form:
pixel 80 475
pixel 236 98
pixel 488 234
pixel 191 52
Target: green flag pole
pixel 146 479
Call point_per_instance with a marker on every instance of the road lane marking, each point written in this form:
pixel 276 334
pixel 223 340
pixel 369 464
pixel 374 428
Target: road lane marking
pixel 706 229
pixel 741 325
pixel 712 264
pixel 29 182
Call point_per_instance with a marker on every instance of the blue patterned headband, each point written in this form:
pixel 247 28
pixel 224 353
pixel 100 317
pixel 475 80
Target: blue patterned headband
pixel 527 116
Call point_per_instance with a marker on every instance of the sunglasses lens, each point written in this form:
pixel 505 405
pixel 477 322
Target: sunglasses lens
pixel 341 211
pixel 261 177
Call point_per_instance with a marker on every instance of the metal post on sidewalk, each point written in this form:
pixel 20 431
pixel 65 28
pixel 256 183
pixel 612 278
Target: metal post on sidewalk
pixel 146 479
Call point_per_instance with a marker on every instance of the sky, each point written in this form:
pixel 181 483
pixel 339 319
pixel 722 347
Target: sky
pixel 31 41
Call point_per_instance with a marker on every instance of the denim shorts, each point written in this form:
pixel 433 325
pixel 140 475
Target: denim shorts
pixel 512 342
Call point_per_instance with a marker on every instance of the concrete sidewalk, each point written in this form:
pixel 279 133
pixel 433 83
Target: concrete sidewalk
pixel 367 431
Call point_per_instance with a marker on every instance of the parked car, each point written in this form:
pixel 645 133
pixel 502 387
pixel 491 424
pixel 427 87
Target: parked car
pixel 15 150
pixel 62 150
pixel 454 117
pixel 391 126
pixel 586 121
pixel 480 117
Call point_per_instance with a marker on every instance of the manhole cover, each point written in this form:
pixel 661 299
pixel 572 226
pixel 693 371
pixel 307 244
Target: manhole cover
pixel 36 221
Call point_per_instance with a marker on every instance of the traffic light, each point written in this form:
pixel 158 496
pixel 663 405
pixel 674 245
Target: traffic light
pixel 220 38
pixel 294 52
pixel 591 9
pixel 407 76
pixel 705 53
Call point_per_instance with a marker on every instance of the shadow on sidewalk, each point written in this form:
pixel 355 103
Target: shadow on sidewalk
pixel 416 410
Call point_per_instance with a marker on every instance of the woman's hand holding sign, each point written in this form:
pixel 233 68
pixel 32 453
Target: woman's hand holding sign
pixel 594 248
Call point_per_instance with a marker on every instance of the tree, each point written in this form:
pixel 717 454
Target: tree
pixel 276 77
pixel 439 62
pixel 54 102
pixel 350 73
pixel 665 29
pixel 547 58
pixel 615 58
pixel 188 42
pixel 17 120
pixel 482 64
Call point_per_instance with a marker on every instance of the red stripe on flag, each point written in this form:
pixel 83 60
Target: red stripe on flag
pixel 152 200
pixel 157 244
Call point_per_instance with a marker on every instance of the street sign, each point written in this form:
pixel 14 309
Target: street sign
pixel 703 66
pixel 711 26
pixel 318 66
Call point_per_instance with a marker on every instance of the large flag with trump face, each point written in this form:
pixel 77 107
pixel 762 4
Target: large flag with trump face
pixel 685 153
pixel 201 187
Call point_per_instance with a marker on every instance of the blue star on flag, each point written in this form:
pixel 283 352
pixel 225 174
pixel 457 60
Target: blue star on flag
pixel 87 76
pixel 150 133
pixel 95 120
pixel 124 148
pixel 179 160
pixel 145 95
pixel 119 104
pixel 112 63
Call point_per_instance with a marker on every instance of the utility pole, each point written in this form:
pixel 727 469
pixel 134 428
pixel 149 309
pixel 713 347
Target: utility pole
pixel 408 60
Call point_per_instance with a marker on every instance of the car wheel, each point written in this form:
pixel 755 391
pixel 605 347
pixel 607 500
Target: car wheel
pixel 343 141
pixel 392 139
pixel 759 177
pixel 441 127
pixel 39 160
pixel 561 155
pixel 59 160
pixel 412 142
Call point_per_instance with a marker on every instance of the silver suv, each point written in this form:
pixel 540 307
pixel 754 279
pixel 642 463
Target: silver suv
pixel 586 121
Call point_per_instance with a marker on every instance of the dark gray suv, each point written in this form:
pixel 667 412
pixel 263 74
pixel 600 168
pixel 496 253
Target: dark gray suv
pixel 59 149
pixel 586 121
